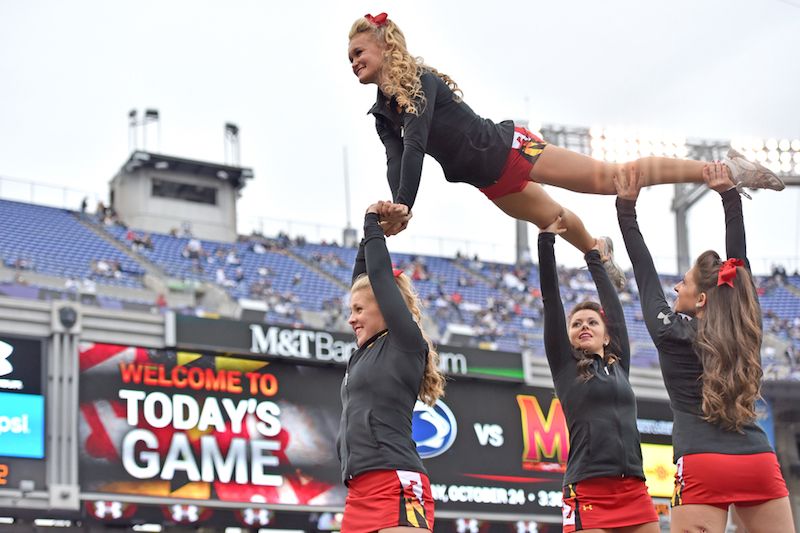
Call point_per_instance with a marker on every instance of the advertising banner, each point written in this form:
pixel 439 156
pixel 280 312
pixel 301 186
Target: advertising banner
pixel 177 424
pixel 22 408
pixel 317 346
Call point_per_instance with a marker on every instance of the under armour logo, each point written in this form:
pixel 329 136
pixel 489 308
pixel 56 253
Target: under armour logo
pixel 467 525
pixel 256 517
pixel 5 351
pixel 664 317
pixel 185 513
pixel 587 507
pixel 112 510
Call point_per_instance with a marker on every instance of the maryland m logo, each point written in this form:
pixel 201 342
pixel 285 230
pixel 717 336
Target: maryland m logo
pixel 545 438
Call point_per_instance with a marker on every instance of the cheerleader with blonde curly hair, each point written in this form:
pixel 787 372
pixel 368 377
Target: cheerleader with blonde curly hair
pixel 420 110
pixel 394 366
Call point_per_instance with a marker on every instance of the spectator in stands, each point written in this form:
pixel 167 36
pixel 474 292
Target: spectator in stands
pixel 476 263
pixel 779 274
pixel 709 350
pixel 222 280
pixel 332 309
pixel 88 286
pixel 238 275
pixel 395 364
pixel 589 358
pixel 420 271
pixel 283 240
pixel 23 263
pixel 231 258
pixel 193 249
pixel 512 282
pixel 101 267
pixel 186 229
pixel 139 242
pixel 72 286
pixel 256 289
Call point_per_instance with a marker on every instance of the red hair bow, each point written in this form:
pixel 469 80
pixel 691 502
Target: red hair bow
pixel 397 272
pixel 727 271
pixel 378 20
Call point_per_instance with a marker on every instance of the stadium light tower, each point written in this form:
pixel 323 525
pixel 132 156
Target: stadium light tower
pixel 349 234
pixel 232 144
pixel 149 116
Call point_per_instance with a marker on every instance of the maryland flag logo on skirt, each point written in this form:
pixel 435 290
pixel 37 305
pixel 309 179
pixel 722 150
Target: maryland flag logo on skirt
pixel 529 145
pixel 412 503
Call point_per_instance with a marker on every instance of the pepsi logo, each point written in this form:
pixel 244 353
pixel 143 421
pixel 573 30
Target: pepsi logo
pixel 433 429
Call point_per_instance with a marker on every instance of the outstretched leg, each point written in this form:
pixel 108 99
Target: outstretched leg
pixel 537 207
pixel 577 172
pixel 580 173
pixel 534 205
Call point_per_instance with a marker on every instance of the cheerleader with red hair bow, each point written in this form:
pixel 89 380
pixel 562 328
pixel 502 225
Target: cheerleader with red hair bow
pixel 709 349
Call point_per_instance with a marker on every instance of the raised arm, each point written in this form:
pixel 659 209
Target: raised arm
pixel 360 264
pixel 718 180
pixel 556 341
pixel 406 332
pixel 735 244
pixel 657 314
pixel 612 308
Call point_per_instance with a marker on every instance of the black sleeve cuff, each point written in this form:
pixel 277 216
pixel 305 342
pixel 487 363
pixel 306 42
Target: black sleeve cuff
pixel 592 256
pixel 372 229
pixel 547 237
pixel 731 195
pixel 626 207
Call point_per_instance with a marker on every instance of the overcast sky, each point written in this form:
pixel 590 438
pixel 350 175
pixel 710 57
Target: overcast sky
pixel 704 69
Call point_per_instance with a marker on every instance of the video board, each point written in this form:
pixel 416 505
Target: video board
pixel 175 424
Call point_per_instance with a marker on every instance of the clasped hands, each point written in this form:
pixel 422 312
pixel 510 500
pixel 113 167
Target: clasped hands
pixel 393 217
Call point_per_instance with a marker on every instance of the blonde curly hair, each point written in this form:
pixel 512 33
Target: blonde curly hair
pixel 433 381
pixel 400 76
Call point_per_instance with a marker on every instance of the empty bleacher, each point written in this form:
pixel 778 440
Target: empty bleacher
pixel 55 242
pixel 502 305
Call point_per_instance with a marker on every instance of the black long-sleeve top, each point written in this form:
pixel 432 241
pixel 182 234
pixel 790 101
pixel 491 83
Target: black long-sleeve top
pixel 383 376
pixel 674 334
pixel 601 412
pixel 470 149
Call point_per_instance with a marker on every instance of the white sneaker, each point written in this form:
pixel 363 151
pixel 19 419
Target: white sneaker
pixel 615 272
pixel 745 173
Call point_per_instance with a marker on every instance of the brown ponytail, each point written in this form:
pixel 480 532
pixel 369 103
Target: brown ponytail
pixel 728 344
